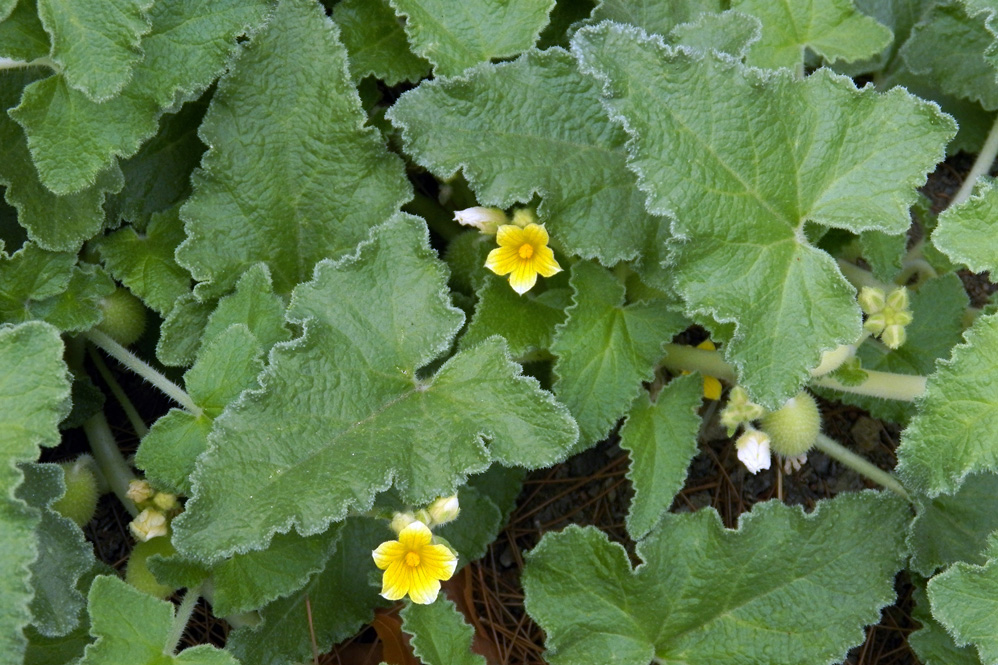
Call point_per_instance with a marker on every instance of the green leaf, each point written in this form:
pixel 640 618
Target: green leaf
pixel 455 38
pixel 95 43
pixel 67 649
pixel 784 588
pixel 833 29
pixel 60 223
pixel 728 32
pixel 951 49
pixel 78 307
pixel 345 403
pixel 475 528
pixel 341 597
pixel 543 131
pixel 527 322
pixel 931 643
pixel 293 192
pixel 34 394
pixel 661 438
pixel 964 600
pixel 743 173
pixel 376 42
pixel 180 334
pixel 22 36
pixel 253 304
pixel 966 231
pixel 72 139
pixel 606 349
pixel 6 7
pixel 899 16
pixel 440 635
pixel 951 528
pixel 653 15
pixel 144 261
pixel 955 431
pixel 63 553
pixel 133 627
pixel 226 365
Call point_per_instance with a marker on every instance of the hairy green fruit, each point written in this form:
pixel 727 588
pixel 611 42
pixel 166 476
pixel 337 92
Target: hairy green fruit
pixel 138 575
pixel 794 427
pixel 124 317
pixel 79 503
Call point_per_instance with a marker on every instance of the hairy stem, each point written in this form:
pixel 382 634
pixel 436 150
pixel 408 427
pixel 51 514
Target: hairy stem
pixel 143 369
pixel 126 404
pixel 681 358
pixel 860 278
pixel 981 166
pixel 860 465
pixel 902 387
pixel 183 615
pixel 109 458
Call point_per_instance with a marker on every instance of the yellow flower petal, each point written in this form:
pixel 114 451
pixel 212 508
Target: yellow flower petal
pixel 510 236
pixel 438 561
pixel 502 260
pixel 396 581
pixel 424 589
pixel 523 277
pixel 387 553
pixel 415 536
pixel 545 263
pixel 711 388
pixel 536 235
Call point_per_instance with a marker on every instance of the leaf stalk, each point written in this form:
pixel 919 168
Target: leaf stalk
pixel 860 465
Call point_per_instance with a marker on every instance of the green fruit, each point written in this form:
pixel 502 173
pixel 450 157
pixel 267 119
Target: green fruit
pixel 793 428
pixel 79 503
pixel 124 317
pixel 137 573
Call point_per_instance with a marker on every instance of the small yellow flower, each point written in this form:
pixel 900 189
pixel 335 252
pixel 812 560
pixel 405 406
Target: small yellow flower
pixel 413 565
pixel 524 253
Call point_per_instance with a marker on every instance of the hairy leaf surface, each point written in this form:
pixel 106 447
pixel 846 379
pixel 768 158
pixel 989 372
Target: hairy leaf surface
pixel 964 599
pixel 966 232
pixel 376 42
pixel 440 635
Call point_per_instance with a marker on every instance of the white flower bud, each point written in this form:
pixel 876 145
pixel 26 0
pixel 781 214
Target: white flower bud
pixel 139 491
pixel 147 525
pixel 444 510
pixel 486 220
pixel 753 450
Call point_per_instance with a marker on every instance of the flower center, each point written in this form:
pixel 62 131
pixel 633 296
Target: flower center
pixel 411 559
pixel 526 251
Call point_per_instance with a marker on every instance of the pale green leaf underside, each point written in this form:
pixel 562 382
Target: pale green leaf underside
pixel 34 393
pixel 440 635
pixel 931 643
pixel 831 28
pixel 967 232
pixel 707 595
pixel 742 160
pixel 72 139
pixel 661 439
pixel 343 415
pixel 96 42
pixel 456 36
pixel 605 349
pixel 956 430
pixel 376 42
pixel 964 599
pixel 292 192
pixel 543 130
pixel 133 627
pixel 653 15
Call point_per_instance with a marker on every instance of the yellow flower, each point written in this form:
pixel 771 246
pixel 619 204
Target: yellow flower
pixel 413 566
pixel 524 253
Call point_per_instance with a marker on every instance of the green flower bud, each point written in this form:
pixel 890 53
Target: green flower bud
pixel 898 299
pixel 401 521
pixel 124 317
pixel 523 217
pixel 872 300
pixel 137 573
pixel 443 510
pixel 79 503
pixel 894 336
pixel 875 323
pixel 794 427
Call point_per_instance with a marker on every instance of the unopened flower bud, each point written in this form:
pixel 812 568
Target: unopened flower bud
pixel 872 300
pixel 894 336
pixel 898 299
pixel 523 217
pixel 486 220
pixel 139 491
pixel 165 501
pixel 401 521
pixel 875 323
pixel 444 510
pixel 147 525
pixel 739 409
pixel 753 450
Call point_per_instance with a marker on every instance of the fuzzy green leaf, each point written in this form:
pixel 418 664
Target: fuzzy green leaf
pixel 705 594
pixel 133 627
pixel 742 173
pixel 253 304
pixel 72 139
pixel 728 32
pixel 34 394
pixel 931 643
pixel 454 38
pixel 661 438
pixel 95 43
pixel 440 635
pixel 653 15
pixel 606 349
pixel 345 404
pixel 22 36
pixel 964 599
pixel 953 528
pixel 293 192
pixel 955 431
pixel 527 322
pixel 144 262
pixel 966 232
pixel 376 42
pixel 545 132
pixel 833 29
pixel 180 334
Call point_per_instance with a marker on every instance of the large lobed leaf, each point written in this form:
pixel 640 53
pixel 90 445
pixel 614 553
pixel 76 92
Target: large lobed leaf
pixel 534 125
pixel 289 193
pixel 743 161
pixel 966 232
pixel 344 412
pixel 376 42
pixel 440 635
pixel 708 595
pixel 964 600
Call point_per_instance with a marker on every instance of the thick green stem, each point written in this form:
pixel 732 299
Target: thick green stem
pixel 860 465
pixel 126 404
pixel 681 358
pixel 860 278
pixel 112 464
pixel 903 387
pixel 181 619
pixel 985 158
pixel 143 369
